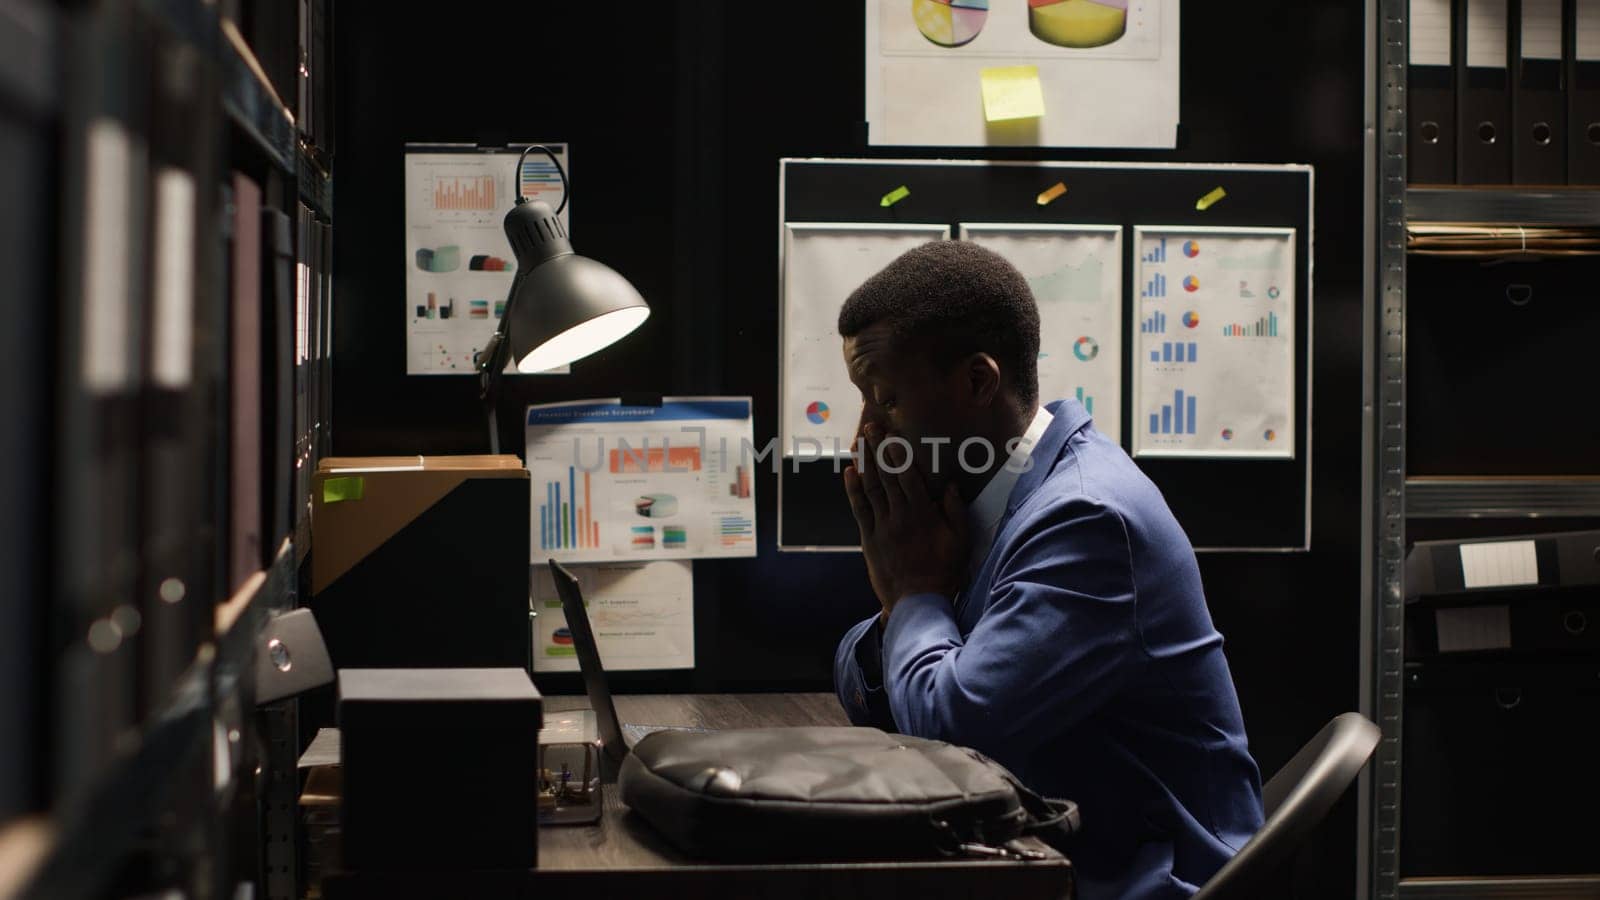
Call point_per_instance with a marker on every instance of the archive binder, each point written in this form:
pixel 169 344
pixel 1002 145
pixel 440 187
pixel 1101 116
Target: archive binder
pixel 1538 139
pixel 1583 94
pixel 1483 93
pixel 1431 83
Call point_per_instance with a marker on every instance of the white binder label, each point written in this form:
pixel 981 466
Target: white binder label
pixel 1429 33
pixel 1486 34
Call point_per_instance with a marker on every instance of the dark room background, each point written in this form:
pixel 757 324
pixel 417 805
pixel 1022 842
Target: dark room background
pixel 676 122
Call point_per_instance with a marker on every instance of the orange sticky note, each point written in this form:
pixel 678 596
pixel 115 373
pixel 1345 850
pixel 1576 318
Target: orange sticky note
pixel 1051 193
pixel 1012 92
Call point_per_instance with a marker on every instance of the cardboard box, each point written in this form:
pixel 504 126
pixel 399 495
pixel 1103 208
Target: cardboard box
pixel 419 562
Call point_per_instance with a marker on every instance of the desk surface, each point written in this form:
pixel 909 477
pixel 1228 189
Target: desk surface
pixel 620 840
pixel 623 856
pixel 622 843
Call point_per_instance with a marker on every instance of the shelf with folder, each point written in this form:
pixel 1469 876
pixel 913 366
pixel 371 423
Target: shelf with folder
pixel 91 842
pixel 1499 672
pixel 1531 887
pixel 316 185
pixel 29 52
pixel 1511 497
pixel 1513 206
pixel 253 105
pixel 240 619
pixel 94 839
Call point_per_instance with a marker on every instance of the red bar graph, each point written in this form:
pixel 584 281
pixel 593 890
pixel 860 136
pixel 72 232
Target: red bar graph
pixel 464 192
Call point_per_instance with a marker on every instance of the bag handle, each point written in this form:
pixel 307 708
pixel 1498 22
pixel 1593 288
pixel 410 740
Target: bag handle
pixel 1051 820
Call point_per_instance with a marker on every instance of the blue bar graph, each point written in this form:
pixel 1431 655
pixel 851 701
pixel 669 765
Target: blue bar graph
pixel 1156 324
pixel 1156 286
pixel 1159 254
pixel 1176 418
pixel 1087 400
pixel 566 521
pixel 1176 352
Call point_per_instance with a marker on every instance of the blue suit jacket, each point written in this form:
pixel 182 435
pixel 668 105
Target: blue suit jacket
pixel 1082 657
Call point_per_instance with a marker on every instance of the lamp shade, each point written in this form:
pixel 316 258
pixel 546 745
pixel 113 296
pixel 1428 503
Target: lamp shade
pixel 563 306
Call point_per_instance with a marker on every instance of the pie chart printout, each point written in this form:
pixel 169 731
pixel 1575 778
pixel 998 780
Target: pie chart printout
pixel 1080 24
pixel 950 23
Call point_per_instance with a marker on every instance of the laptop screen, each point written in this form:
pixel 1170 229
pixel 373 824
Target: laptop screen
pixel 594 675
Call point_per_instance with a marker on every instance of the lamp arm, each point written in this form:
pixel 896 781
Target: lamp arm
pixel 492 365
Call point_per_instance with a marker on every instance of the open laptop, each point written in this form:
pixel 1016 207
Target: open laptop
pixel 615 736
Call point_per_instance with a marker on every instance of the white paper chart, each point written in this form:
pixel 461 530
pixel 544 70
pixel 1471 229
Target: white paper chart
pixel 459 265
pixel 924 64
pixel 634 483
pixel 1075 272
pixel 642 615
pixel 822 265
pixel 1214 347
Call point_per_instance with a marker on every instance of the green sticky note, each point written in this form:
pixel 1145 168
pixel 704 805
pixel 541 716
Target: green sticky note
pixel 895 196
pixel 1012 92
pixel 1205 202
pixel 338 490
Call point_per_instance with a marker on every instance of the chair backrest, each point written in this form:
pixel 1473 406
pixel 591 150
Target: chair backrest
pixel 1296 800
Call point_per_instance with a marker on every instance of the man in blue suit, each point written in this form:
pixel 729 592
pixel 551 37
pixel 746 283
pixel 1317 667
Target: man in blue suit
pixel 1039 601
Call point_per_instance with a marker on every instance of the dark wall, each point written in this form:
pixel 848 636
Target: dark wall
pixel 676 126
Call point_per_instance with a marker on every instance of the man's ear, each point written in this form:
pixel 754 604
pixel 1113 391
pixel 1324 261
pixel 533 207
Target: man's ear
pixel 982 374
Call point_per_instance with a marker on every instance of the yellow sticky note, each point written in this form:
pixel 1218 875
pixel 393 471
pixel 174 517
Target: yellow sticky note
pixel 1051 193
pixel 338 490
pixel 1209 199
pixel 1012 92
pixel 895 196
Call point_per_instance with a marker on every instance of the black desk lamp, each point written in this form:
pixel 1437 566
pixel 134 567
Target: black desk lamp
pixel 562 306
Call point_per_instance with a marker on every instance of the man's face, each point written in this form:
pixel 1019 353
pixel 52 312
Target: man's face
pixel 904 393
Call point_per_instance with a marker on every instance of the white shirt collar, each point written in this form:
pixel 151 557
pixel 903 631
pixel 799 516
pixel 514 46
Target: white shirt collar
pixel 985 512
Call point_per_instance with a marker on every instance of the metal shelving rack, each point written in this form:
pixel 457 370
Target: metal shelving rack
pixel 169 795
pixel 1383 437
pixel 1389 497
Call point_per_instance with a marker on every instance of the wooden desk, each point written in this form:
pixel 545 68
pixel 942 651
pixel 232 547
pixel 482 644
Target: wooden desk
pixel 622 856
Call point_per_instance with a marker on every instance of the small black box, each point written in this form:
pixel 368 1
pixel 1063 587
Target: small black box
pixel 440 768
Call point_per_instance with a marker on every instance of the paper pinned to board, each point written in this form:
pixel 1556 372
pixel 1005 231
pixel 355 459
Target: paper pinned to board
pixel 1499 564
pixel 1012 92
pixel 642 615
pixel 924 61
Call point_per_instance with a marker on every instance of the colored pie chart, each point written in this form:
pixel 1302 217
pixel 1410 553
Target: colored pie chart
pixel 950 23
pixel 1270 435
pixel 1080 24
pixel 1086 348
pixel 1191 249
pixel 1191 319
pixel 1191 283
pixel 1272 292
pixel 1227 434
pixel 817 412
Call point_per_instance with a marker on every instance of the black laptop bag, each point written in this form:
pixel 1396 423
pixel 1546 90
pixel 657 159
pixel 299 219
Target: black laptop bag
pixel 819 794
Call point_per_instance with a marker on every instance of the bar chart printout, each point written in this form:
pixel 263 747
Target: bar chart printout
pixel 1177 417
pixel 613 482
pixel 1215 354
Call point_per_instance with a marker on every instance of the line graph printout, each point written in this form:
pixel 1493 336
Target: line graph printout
pixel 1075 272
pixel 642 615
pixel 822 264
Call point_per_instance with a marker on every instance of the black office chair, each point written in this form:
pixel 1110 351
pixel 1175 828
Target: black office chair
pixel 1295 800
